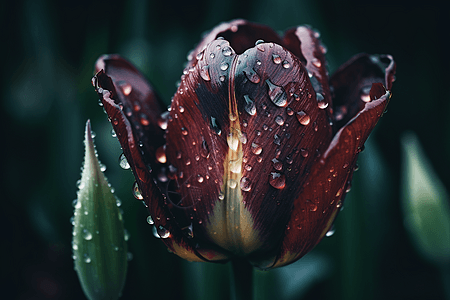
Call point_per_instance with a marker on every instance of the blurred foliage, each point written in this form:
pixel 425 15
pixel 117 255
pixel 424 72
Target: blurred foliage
pixel 46 96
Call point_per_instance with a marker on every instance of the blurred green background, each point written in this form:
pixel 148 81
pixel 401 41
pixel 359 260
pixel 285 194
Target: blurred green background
pixel 49 49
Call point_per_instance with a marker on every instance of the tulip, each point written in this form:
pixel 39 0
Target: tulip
pixel 254 157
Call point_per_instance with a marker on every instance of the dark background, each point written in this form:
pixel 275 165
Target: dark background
pixel 49 49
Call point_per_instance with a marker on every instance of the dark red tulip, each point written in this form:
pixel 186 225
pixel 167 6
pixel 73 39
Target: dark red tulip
pixel 254 156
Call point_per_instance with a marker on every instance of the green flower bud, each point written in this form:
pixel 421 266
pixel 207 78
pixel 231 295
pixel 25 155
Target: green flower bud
pixel 99 239
pixel 425 204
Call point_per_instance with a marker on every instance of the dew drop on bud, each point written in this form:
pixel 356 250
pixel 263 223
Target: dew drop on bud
pixel 321 102
pixel 184 131
pixel 215 126
pixel 303 118
pixel 277 94
pixel 163 120
pixel 277 165
pixel 125 87
pixel 123 162
pixel 365 94
pixel 137 192
pixel 286 64
pixel 277 180
pixel 150 220
pixel 316 63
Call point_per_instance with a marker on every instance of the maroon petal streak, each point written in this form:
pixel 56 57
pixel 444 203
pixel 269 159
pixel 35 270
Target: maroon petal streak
pixel 314 211
pixel 353 80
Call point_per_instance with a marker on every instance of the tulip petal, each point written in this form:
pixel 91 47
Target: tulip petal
pixel 305 44
pixel 323 193
pixel 353 80
pixel 246 112
pixel 140 103
pixel 241 35
pixel 173 236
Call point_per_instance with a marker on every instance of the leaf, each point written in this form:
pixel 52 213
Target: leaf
pixel 99 237
pixel 425 203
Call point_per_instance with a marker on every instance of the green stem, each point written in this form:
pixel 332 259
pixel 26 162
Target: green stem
pixel 242 281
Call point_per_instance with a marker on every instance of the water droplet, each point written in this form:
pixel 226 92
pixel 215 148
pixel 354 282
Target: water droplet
pixel 224 66
pixel 86 258
pixel 87 235
pixel 276 140
pixel 204 73
pixel 248 168
pixel 277 94
pixel 161 154
pixel 277 180
pixel 256 149
pixel 200 178
pixel 331 231
pixel 259 42
pixel 118 202
pixel 289 111
pixel 150 220
pixel 232 183
pixel 252 75
pixel 321 102
pixel 276 59
pixel 184 131
pixel 205 149
pixel 163 232
pixel 181 109
pixel 163 120
pixel 245 184
pixel 303 118
pixel 279 120
pixel 215 126
pixel 227 51
pixel 222 78
pixel 233 140
pixel 155 233
pixel 277 165
pixel 126 235
pixel 113 133
pixel 286 64
pixel 74 246
pixel 137 192
pixel 125 87
pixel 316 63
pixel 304 152
pixel 199 55
pixel 212 55
pixel 250 106
pixel 188 231
pixel 365 93
pixel 236 165
pixel 221 196
pixel 80 184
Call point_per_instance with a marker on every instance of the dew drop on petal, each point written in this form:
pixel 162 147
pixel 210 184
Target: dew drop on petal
pixel 304 152
pixel 137 192
pixel 150 220
pixel 279 120
pixel 161 154
pixel 184 131
pixel 277 165
pixel 204 73
pixel 256 149
pixel 365 94
pixel 232 183
pixel 303 118
pixel 277 180
pixel 224 66
pixel 252 75
pixel 331 231
pixel 163 232
pixel 163 120
pixel 125 87
pixel 321 102
pixel 316 62
pixel 258 42
pixel 250 106
pixel 227 51
pixel 276 59
pixel 277 94
pixel 286 64
pixel 245 184
pixel 215 126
